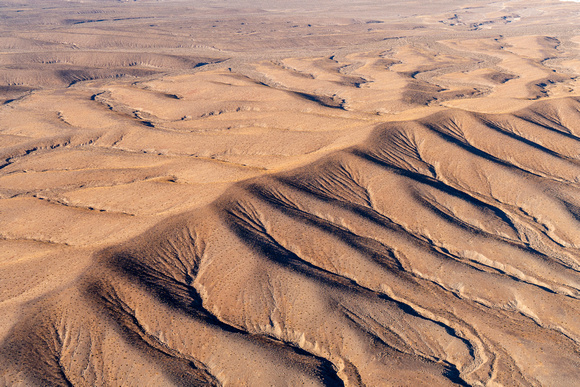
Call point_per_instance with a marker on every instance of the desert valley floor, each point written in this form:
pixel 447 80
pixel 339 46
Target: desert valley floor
pixel 362 193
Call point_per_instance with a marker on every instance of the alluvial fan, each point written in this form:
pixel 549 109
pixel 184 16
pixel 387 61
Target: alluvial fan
pixel 443 250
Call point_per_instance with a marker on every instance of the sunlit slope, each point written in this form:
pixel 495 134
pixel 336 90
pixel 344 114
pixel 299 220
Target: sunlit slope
pixel 443 251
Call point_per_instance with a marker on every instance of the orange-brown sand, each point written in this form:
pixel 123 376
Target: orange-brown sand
pixel 380 193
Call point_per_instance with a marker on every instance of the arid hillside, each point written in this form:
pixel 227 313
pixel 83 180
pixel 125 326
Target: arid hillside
pixel 253 194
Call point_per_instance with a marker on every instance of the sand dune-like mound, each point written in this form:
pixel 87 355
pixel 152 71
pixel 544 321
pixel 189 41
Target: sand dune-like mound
pixel 324 276
pixel 289 193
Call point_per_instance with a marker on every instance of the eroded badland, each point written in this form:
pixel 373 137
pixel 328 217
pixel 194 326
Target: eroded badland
pixel 301 193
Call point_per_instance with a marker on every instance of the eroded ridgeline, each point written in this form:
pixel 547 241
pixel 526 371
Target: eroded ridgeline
pixel 442 251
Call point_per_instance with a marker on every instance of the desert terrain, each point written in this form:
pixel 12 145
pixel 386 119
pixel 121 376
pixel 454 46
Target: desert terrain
pixel 258 193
